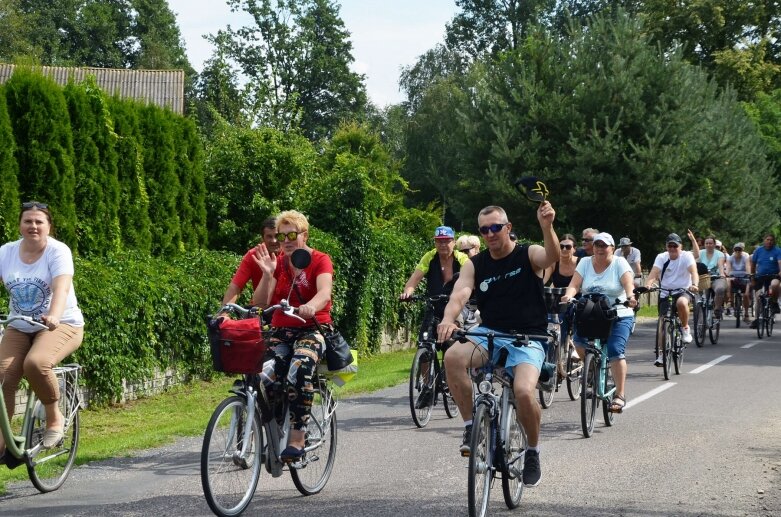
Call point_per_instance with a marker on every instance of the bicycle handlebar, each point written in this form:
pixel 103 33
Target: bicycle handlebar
pixel 35 322
pixel 286 308
pixel 523 339
pixel 424 298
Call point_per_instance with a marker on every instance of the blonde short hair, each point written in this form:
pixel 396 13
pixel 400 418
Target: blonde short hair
pixel 295 218
pixel 466 242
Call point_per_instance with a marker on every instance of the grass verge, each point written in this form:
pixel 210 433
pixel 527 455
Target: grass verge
pixel 185 410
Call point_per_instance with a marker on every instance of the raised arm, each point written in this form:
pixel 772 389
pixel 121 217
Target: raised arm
pixel 543 257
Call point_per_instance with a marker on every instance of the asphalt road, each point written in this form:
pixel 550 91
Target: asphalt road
pixel 708 442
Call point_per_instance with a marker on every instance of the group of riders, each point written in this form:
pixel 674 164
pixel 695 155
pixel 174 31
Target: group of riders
pixel 505 283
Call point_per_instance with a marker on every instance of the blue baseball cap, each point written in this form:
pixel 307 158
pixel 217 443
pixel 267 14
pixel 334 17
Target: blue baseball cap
pixel 444 232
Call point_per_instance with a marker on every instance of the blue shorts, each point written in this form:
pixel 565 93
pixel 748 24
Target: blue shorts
pixel 532 354
pixel 616 343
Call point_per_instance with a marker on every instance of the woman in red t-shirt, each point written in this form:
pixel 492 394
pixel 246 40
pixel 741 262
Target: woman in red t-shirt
pixel 298 345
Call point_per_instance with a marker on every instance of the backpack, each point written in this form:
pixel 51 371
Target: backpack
pixel 594 317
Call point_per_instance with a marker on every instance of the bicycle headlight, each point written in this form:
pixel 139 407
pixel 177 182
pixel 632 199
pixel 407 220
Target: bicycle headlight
pixel 484 387
pixel 425 336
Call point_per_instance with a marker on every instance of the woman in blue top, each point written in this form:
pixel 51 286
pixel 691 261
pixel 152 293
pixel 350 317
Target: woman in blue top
pixel 714 261
pixel 612 276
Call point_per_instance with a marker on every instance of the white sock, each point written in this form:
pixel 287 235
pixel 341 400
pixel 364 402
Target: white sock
pixel 467 422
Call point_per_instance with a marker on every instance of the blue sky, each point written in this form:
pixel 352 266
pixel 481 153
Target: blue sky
pixel 386 35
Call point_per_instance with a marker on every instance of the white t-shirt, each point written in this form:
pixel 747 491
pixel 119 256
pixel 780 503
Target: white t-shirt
pixel 677 275
pixel 634 254
pixel 607 282
pixel 30 285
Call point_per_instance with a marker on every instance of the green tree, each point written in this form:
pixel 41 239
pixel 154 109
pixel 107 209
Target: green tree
pixel 95 159
pixel 162 182
pixel 44 147
pixel 218 92
pixel 618 130
pixel 297 59
pixel 251 174
pixel 134 220
pixel 765 113
pixel 192 193
pixel 9 193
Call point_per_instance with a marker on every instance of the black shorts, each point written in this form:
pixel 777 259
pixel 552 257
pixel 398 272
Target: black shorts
pixel 663 301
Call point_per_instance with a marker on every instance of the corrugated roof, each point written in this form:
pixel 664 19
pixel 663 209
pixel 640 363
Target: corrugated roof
pixel 164 88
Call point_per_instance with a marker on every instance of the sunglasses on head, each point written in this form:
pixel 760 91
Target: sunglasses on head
pixel 34 204
pixel 565 246
pixel 291 236
pixel 494 228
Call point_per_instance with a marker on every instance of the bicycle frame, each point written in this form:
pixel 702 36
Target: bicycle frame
pixel 599 349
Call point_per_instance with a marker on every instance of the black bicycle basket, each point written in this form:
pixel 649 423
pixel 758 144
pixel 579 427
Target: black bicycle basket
pixel 594 317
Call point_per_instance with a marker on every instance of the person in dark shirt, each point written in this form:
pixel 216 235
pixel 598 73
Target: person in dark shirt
pixel 507 280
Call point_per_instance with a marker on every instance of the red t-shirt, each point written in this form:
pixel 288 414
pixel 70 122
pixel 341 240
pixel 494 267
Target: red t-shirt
pixel 248 270
pixel 306 284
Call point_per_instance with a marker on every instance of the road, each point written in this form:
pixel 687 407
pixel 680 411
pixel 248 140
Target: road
pixel 708 442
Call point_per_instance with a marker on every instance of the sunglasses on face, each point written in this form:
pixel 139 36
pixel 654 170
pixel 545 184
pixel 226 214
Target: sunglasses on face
pixel 465 250
pixel 738 249
pixel 565 246
pixel 600 244
pixel 291 236
pixel 34 204
pixel 588 240
pixel 672 245
pixel 493 228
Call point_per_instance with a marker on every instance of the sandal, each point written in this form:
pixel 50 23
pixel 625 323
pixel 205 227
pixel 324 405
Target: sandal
pixel 616 406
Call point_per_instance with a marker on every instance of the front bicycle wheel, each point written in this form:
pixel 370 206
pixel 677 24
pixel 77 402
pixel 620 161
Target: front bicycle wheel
pixel 546 395
pixel 737 304
pixel 514 447
pixel 588 399
pixel 421 387
pixel 311 474
pixel 713 331
pixel 760 318
pixel 49 468
pixel 699 323
pixel 678 349
pixel 574 369
pixel 667 353
pixel 451 408
pixel 771 321
pixel 480 463
pixel 230 469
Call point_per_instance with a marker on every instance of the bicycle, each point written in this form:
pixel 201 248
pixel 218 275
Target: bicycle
pixel 704 316
pixel 737 298
pixel 427 376
pixel 557 351
pixel 498 442
pixel 597 379
pixel 764 313
pixel 250 429
pixel 669 333
pixel 48 468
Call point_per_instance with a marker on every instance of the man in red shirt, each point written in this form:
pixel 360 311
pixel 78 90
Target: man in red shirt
pixel 249 269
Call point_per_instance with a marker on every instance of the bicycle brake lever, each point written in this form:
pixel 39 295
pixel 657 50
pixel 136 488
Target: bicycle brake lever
pixel 289 312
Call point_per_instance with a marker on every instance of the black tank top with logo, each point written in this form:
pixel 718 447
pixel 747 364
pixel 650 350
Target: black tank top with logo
pixel 434 279
pixel 509 294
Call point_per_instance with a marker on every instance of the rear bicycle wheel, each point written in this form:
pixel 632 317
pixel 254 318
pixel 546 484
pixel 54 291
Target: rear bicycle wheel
pixel 770 323
pixel 228 477
pixel 588 399
pixel 700 323
pixel 50 467
pixel 514 447
pixel 311 474
pixel 667 352
pixel 421 387
pixel 610 384
pixel 480 463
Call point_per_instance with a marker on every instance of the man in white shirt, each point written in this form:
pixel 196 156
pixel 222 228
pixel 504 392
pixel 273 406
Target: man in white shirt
pixel 675 269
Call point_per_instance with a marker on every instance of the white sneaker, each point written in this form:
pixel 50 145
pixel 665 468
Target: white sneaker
pixel 659 361
pixel 687 336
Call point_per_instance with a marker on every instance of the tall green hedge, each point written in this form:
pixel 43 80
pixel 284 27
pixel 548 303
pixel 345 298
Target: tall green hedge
pixel 9 192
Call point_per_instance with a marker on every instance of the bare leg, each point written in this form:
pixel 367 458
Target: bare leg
pixel 458 359
pixel 618 369
pixel 529 412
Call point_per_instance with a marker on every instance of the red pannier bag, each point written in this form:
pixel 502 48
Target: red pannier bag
pixel 237 345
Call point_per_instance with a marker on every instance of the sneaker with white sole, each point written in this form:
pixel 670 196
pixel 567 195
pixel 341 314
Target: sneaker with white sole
pixel 686 335
pixel 659 361
pixel 531 469
pixel 466 441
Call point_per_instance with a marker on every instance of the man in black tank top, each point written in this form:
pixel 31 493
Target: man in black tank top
pixel 507 280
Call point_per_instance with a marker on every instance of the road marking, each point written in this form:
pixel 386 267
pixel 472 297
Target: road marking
pixel 712 363
pixel 648 395
pixel 749 345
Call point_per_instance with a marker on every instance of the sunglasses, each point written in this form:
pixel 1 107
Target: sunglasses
pixel 494 228
pixel 34 204
pixel 600 244
pixel 291 236
pixel 588 240
pixel 738 249
pixel 465 250
pixel 565 246
pixel 672 245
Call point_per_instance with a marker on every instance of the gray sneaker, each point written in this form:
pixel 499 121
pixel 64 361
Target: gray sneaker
pixel 531 469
